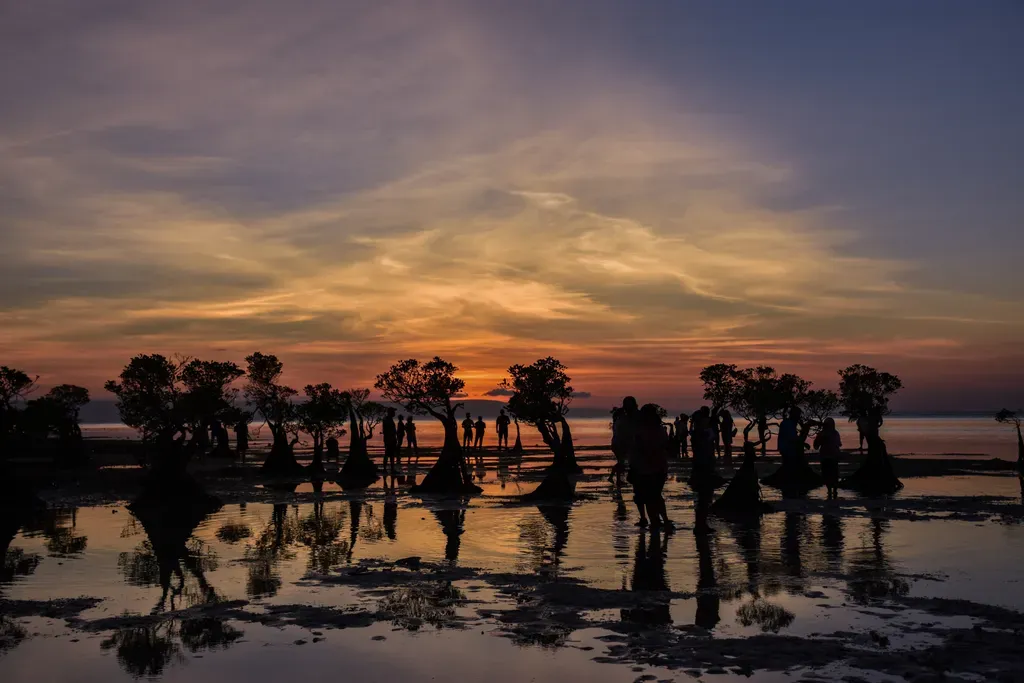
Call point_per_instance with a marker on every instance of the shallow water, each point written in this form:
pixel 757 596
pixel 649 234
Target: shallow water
pixel 980 436
pixel 827 569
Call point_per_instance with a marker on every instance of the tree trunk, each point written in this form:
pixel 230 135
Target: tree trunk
pixel 558 483
pixel 449 474
pixel 281 461
pixel 1020 451
pixel 875 476
pixel 316 468
pixel 359 470
pixel 518 446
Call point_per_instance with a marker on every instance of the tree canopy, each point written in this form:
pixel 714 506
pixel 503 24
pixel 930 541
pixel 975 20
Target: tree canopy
pixel 149 396
pixel 422 389
pixel 266 394
pixel 541 391
pixel 865 391
pixel 722 383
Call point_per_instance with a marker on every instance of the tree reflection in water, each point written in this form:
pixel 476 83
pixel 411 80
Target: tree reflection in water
pixel 146 650
pixel 177 561
pixel 872 573
pixel 318 532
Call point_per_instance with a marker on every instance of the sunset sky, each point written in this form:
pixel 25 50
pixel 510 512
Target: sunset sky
pixel 637 187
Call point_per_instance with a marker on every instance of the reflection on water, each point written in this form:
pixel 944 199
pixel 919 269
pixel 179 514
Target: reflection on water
pixel 172 567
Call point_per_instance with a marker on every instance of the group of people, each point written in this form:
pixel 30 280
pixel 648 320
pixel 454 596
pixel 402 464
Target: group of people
pixel 642 444
pixel 641 448
pixel 473 431
pixel 395 433
pixel 708 427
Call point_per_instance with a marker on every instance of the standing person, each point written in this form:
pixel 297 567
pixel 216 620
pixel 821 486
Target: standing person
pixel 624 441
pixel 502 424
pixel 703 478
pixel 242 438
pixel 862 430
pixel 332 450
pixel 390 433
pixel 479 427
pixel 716 429
pixel 410 438
pixel 702 438
pixel 682 432
pixel 401 433
pixel 649 469
pixel 467 431
pixel 728 430
pixel 829 445
pixel 789 435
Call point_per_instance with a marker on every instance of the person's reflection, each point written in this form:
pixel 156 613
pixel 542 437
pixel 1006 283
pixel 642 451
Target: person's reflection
pixel 832 541
pixel 872 574
pixel 621 510
pixel 649 576
pixel 747 533
pixel 708 600
pixel 391 516
pixel 452 521
pixel 502 468
pixel 792 559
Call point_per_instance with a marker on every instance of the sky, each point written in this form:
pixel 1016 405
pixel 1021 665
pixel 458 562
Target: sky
pixel 637 188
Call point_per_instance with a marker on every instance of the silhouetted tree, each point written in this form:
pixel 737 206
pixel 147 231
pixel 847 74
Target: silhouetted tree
pixel 819 404
pixel 865 392
pixel 208 396
pixel 359 470
pixel 722 384
pixel 763 395
pixel 56 414
pixel 1013 417
pixel 273 401
pixel 149 399
pixel 541 394
pixel 15 386
pixel 322 416
pixel 429 389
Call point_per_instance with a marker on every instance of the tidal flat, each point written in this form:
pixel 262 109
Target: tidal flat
pixel 288 576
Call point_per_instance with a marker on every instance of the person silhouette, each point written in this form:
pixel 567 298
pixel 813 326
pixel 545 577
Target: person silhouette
pixel 624 444
pixel 682 425
pixel 501 424
pixel 332 450
pixel 716 430
pixel 390 432
pixel 242 438
pixel 651 465
pixel 479 427
pixel 401 432
pixel 467 431
pixel 727 429
pixel 789 436
pixel 829 445
pixel 410 438
pixel 862 431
